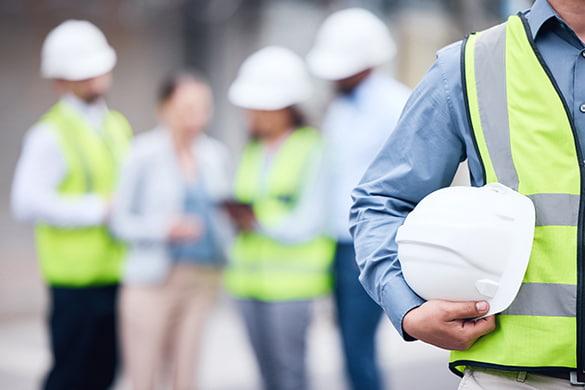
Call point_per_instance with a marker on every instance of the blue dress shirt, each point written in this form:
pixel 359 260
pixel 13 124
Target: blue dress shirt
pixel 423 152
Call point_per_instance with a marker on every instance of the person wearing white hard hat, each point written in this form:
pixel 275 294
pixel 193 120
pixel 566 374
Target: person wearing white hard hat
pixel 509 100
pixel 63 183
pixel 349 48
pixel 281 258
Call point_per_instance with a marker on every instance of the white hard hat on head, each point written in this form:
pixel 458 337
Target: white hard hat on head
pixel 76 50
pixel 270 79
pixel 468 244
pixel 348 42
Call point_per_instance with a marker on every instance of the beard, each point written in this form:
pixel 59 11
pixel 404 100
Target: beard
pixel 92 97
pixel 343 89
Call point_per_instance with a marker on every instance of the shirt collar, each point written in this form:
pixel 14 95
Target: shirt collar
pixel 540 13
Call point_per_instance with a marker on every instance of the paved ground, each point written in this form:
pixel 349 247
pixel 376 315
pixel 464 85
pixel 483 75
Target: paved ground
pixel 227 363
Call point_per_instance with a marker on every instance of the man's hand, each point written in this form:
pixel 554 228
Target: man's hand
pixel 447 325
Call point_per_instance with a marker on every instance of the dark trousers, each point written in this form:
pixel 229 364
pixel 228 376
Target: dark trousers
pixel 358 317
pixel 83 335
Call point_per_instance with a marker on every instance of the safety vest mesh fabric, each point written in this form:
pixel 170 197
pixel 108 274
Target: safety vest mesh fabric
pixel 263 268
pixel 525 138
pixel 84 256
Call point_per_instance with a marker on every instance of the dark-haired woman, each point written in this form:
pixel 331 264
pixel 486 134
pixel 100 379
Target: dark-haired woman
pixel 281 258
pixel 166 208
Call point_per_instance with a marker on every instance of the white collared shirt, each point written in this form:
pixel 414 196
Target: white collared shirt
pixel 41 169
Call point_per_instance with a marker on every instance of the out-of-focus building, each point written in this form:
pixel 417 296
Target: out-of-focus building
pixel 154 37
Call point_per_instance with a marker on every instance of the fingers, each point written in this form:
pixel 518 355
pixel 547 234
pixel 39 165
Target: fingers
pixel 473 330
pixel 447 324
pixel 467 330
pixel 467 310
pixel 480 327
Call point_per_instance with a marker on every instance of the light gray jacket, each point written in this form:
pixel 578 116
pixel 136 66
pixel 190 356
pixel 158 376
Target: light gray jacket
pixel 149 197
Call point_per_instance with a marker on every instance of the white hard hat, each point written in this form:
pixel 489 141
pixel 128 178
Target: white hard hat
pixel 467 244
pixel 348 42
pixel 76 50
pixel 270 79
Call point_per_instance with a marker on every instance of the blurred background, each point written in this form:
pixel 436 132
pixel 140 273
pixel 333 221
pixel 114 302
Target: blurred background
pixel 153 38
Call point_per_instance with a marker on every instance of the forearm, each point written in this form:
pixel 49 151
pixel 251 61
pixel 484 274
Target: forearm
pixel 421 156
pixel 139 228
pixel 35 192
pixel 380 271
pixel 131 220
pixel 60 210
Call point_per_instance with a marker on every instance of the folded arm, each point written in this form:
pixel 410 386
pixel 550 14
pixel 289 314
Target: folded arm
pixel 35 191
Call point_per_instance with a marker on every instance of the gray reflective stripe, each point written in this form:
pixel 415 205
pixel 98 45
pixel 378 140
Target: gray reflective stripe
pixel 556 209
pixel 490 79
pixel 545 299
pixel 64 121
pixel 83 161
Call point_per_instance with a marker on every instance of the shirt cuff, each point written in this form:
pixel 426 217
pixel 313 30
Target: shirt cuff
pixel 397 300
pixel 93 211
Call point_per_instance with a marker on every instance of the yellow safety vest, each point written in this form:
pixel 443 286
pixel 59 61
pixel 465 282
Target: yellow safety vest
pixel 263 268
pixel 526 139
pixel 86 256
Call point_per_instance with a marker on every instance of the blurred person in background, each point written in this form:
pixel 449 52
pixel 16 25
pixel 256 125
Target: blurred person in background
pixel 166 208
pixel 348 48
pixel 63 183
pixel 281 259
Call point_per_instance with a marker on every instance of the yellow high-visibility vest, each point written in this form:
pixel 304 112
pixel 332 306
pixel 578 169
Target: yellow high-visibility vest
pixel 526 139
pixel 263 268
pixel 86 256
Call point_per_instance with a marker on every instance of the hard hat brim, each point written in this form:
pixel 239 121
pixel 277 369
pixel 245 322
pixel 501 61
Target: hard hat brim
pixel 84 68
pixel 253 97
pixel 332 66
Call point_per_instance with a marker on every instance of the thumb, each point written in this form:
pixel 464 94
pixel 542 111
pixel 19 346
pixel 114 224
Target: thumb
pixel 473 309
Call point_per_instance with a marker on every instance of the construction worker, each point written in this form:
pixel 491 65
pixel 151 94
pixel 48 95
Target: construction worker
pixel 280 259
pixel 166 208
pixel 349 48
pixel 63 183
pixel 510 100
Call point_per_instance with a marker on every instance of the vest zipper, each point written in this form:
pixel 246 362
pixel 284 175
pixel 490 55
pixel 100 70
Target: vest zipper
pixel 581 217
pixel 79 151
pixel 580 256
pixel 580 233
pixel 580 271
